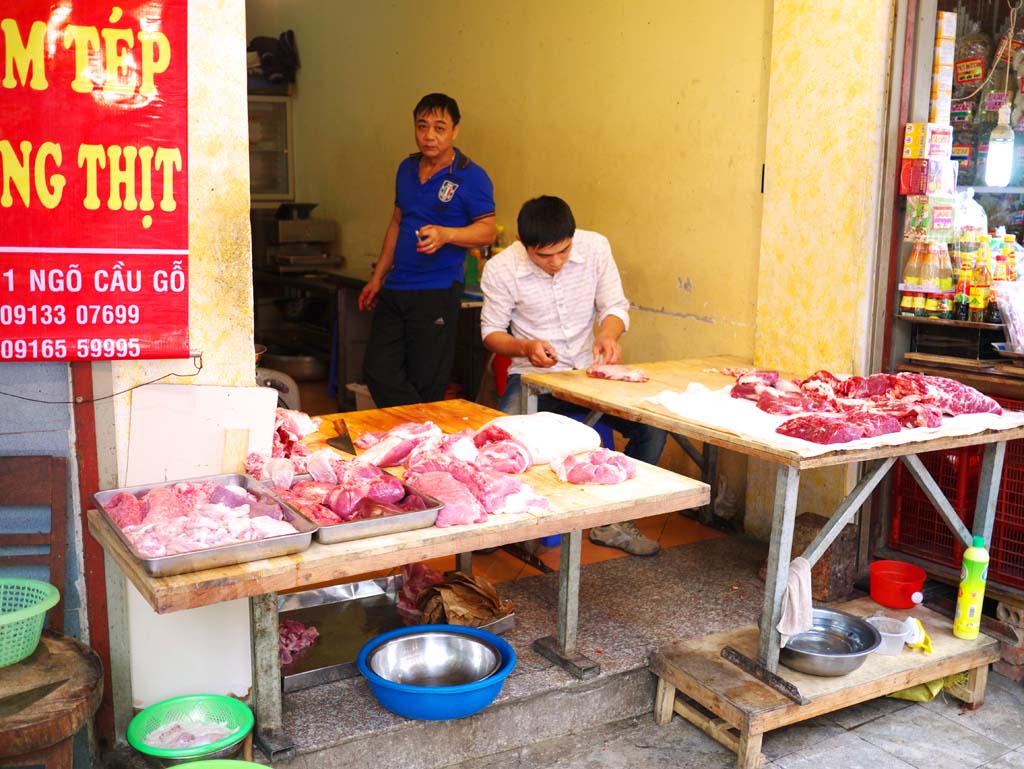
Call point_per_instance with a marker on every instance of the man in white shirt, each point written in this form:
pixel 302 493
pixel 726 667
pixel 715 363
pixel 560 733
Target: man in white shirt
pixel 542 298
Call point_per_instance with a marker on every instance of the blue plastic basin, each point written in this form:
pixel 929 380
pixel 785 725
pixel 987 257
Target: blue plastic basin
pixel 437 703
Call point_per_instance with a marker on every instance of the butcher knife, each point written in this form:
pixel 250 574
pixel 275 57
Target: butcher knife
pixel 342 441
pixel 13 703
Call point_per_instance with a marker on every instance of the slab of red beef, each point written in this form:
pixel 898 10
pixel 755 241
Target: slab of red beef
pixel 838 428
pixel 834 409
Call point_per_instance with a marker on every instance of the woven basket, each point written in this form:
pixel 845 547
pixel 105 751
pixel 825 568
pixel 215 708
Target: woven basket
pixel 23 607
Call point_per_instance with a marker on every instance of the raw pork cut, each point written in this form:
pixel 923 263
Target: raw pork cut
pixel 490 488
pixel 460 506
pixel 293 638
pixel 598 466
pixel 392 447
pixel 503 456
pixel 616 372
pixel 544 435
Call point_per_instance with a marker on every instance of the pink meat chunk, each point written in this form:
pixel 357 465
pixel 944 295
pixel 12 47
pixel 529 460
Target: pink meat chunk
pixel 503 456
pixel 460 506
pixel 125 509
pixel 294 638
pixel 394 446
pixel 600 466
pixel 616 372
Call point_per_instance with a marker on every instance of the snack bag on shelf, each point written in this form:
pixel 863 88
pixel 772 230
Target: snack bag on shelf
pixel 973 57
pixel 1010 298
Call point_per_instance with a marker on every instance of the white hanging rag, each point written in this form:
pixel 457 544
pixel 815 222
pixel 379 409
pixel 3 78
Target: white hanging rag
pixel 797 615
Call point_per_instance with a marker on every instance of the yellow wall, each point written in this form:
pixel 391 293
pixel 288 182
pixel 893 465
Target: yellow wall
pixel 648 117
pixel 829 69
pixel 220 261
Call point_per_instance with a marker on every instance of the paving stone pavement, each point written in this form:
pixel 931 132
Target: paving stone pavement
pixel 879 734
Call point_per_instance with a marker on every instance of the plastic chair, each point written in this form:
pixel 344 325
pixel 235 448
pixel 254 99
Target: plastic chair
pixel 33 481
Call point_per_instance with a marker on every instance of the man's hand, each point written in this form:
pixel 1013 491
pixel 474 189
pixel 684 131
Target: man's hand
pixel 540 353
pixel 607 349
pixel 430 237
pixel 368 296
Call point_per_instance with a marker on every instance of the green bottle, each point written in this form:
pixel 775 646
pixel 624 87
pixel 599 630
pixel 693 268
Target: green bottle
pixel 973 575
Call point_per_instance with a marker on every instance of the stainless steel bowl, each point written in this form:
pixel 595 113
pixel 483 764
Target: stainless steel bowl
pixel 837 644
pixel 434 658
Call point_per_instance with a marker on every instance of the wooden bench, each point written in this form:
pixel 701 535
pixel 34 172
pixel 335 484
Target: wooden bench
pixel 736 709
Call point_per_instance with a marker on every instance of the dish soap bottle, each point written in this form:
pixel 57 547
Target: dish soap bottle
pixel 973 575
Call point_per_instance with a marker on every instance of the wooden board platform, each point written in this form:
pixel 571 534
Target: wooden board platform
pixel 694 680
pixel 651 492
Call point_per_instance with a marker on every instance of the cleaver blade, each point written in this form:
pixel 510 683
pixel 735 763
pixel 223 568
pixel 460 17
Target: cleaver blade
pixel 342 441
pixel 14 703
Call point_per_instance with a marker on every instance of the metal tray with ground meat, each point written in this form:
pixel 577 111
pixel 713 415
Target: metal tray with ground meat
pixel 220 555
pixel 346 616
pixel 384 518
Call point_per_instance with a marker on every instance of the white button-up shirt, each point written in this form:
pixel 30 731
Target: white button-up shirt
pixel 523 300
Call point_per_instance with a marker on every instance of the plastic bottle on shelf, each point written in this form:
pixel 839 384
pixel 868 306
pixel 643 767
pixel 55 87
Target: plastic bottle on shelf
pixel 992 314
pixel 962 299
pixel 912 278
pixel 1011 256
pixel 931 279
pixel 971 595
pixel 981 280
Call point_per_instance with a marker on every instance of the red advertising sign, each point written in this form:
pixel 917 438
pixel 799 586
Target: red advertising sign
pixel 93 180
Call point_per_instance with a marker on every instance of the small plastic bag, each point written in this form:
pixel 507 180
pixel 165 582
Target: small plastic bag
pixel 1010 298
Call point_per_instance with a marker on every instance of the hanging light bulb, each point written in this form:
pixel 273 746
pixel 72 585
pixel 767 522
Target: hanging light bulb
pixel 1000 151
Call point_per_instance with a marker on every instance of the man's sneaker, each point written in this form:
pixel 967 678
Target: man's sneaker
pixel 625 536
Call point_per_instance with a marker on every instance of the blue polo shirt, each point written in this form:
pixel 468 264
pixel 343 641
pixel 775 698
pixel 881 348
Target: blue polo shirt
pixel 453 197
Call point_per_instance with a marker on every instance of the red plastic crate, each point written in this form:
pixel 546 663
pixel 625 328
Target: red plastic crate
pixel 917 528
pixel 1006 550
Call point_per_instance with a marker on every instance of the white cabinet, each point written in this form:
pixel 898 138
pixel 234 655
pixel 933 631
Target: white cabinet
pixel 271 177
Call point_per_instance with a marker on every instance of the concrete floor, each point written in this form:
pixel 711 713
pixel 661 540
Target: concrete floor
pixel 628 608
pixel 879 734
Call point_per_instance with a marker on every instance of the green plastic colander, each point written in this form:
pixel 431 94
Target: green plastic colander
pixel 23 607
pixel 194 708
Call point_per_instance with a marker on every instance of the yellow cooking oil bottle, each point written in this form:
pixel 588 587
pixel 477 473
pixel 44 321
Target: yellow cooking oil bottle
pixel 973 575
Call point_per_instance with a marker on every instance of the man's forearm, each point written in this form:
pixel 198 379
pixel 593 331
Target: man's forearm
pixel 480 233
pixel 503 343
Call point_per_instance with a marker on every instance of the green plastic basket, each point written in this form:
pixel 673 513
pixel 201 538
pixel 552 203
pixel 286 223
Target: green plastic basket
pixel 223 763
pixel 23 607
pixel 196 708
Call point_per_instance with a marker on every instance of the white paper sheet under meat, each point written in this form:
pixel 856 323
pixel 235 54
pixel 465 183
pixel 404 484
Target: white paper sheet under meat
pixel 718 409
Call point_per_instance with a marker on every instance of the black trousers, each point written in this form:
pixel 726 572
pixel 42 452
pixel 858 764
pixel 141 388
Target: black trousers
pixel 411 350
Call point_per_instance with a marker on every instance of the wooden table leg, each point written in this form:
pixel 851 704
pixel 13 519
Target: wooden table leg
pixel 664 702
pixel 972 692
pixel 787 484
pixel 988 490
pixel 562 650
pixel 748 753
pixel 266 678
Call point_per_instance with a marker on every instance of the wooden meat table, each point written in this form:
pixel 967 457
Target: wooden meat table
pixel 573 508
pixel 694 680
pixel 624 399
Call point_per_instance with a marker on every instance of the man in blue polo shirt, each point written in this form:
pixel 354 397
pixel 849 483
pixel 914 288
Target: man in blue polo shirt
pixel 444 204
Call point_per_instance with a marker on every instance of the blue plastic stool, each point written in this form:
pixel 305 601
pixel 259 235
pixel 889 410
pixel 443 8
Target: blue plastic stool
pixel 554 540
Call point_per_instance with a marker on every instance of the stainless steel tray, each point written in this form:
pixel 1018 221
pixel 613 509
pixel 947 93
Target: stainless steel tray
pixel 346 616
pixel 223 555
pixel 398 521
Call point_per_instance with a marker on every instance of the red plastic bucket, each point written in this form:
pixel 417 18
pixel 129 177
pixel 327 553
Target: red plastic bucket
pixel 896 584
